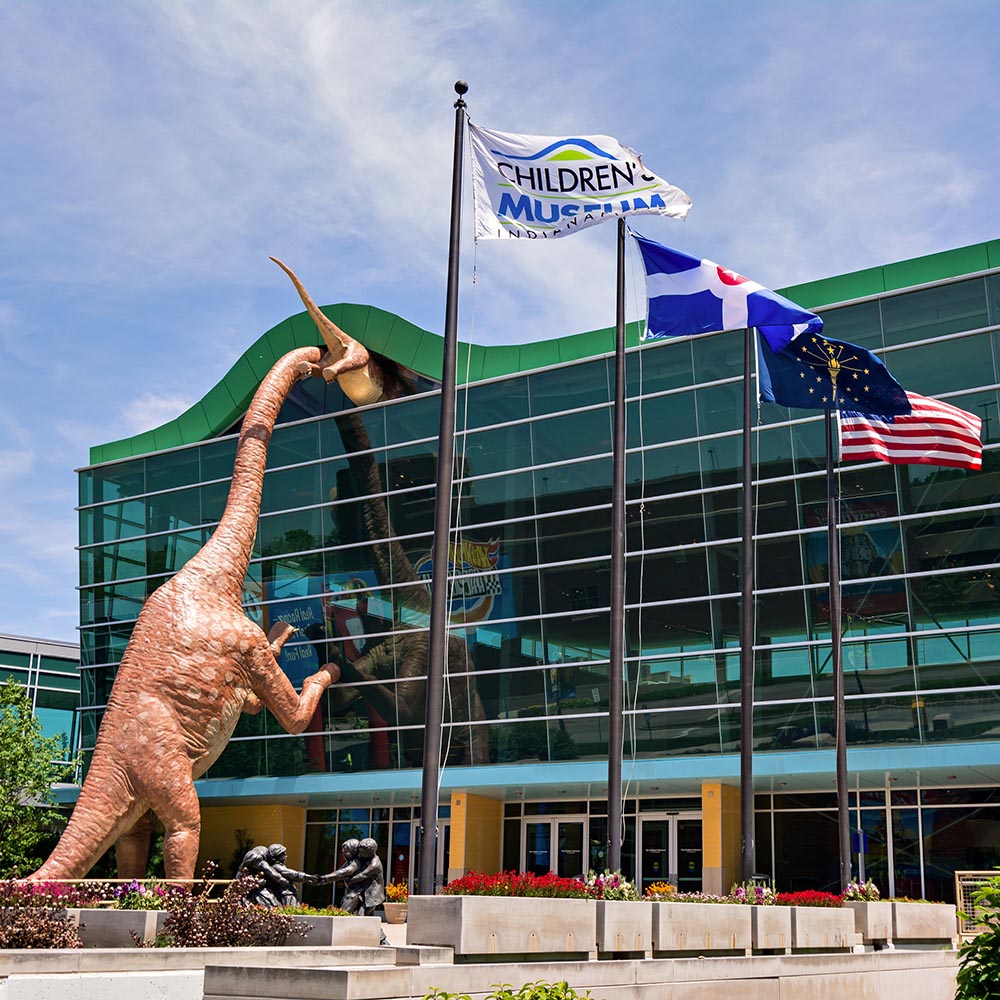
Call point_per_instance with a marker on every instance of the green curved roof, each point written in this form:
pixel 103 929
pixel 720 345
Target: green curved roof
pixel 421 351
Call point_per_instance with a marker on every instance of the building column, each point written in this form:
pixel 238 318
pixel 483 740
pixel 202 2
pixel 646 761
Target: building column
pixel 265 825
pixel 720 836
pixel 476 833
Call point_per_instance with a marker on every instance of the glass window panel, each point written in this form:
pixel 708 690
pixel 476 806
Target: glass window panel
pixel 413 420
pixel 718 357
pixel 720 408
pixel 934 369
pixel 993 297
pixel 859 324
pixel 778 563
pixel 291 488
pixel 663 471
pixel 168 553
pixel 217 459
pixel 661 419
pixel 293 444
pixel 360 428
pixel 503 497
pixel 494 450
pixel 672 627
pixel 723 510
pixel 566 487
pixel 906 852
pixel 934 312
pixel 666 365
pixel 970 598
pixel 809 445
pixel 775 508
pixel 114 482
pixel 573 536
pixel 722 460
pixel 665 521
pixel 946 541
pixel 958 839
pixel 171 469
pixel 493 402
pixel 781 617
pixel 666 576
pixel 703 730
pixel 575 435
pixel 558 389
pixel 773 453
pixel 181 509
pixel 928 488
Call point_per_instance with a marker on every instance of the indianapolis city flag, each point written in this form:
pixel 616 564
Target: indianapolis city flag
pixel 821 373
pixel 688 295
pixel 544 186
pixel 933 433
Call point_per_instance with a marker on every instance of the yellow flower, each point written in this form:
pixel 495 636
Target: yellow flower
pixel 396 892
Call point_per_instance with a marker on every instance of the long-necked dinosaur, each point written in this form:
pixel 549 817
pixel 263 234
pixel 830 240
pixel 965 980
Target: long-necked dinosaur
pixel 193 664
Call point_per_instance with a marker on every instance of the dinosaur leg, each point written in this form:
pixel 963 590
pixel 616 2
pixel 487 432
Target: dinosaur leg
pixel 175 802
pixel 132 848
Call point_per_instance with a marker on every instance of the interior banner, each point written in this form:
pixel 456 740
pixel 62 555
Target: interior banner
pixel 542 186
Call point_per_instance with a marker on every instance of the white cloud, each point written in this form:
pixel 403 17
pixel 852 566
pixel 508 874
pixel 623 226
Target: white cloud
pixel 151 410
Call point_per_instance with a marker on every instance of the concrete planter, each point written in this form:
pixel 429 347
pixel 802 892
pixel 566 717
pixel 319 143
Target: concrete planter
pixel 873 921
pixel 339 932
pixel 701 927
pixel 395 913
pixel 503 925
pixel 822 928
pixel 771 928
pixel 924 922
pixel 100 928
pixel 624 926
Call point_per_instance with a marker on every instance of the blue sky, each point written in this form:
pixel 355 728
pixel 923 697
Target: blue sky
pixel 155 154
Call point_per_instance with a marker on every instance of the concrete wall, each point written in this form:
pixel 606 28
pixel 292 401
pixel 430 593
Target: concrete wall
pixel 720 836
pixel 476 830
pixel 266 824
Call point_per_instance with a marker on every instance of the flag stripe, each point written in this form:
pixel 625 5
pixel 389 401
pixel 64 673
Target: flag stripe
pixel 934 433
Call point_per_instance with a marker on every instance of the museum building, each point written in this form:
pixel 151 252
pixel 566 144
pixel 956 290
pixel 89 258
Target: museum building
pixel 526 717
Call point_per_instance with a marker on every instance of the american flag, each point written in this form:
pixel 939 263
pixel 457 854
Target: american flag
pixel 935 433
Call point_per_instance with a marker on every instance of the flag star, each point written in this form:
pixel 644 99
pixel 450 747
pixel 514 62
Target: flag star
pixel 819 379
pixel 811 391
pixel 867 372
pixel 803 375
pixel 855 375
pixel 824 399
pixel 867 389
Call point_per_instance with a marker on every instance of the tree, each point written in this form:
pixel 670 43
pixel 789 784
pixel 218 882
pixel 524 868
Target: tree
pixel 26 775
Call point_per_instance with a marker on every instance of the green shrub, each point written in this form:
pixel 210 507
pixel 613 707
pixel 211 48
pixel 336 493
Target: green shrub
pixel 979 959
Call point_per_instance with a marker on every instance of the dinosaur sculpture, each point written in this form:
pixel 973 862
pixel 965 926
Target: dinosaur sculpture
pixel 193 664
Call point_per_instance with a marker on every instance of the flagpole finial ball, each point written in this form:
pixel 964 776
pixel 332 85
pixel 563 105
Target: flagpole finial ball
pixel 461 87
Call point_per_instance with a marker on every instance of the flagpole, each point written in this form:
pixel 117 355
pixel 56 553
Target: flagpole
pixel 616 652
pixel 747 845
pixel 837 655
pixel 438 639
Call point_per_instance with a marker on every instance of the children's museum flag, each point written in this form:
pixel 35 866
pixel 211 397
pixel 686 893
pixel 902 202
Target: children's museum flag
pixel 543 186
pixel 825 374
pixel 934 433
pixel 689 295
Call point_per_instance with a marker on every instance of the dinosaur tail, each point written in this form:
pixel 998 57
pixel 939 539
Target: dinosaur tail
pixel 106 809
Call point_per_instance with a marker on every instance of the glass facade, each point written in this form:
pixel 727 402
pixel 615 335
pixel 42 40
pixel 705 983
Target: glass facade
pixel 344 539
pixel 50 671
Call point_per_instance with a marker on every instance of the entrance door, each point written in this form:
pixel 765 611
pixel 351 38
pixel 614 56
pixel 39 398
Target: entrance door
pixel 555 845
pixel 670 851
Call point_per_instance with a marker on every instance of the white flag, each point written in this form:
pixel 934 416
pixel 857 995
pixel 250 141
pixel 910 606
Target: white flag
pixel 543 186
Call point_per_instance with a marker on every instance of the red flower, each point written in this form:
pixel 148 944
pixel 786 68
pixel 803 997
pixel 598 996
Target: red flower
pixel 808 897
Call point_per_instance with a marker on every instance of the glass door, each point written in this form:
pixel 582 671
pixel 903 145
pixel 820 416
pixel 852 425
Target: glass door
pixel 570 860
pixel 555 845
pixel 538 847
pixel 670 851
pixel 654 853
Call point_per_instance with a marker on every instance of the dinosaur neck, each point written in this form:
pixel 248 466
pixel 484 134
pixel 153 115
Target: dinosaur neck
pixel 226 555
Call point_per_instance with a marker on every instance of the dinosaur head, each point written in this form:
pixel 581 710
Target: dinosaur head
pixel 347 361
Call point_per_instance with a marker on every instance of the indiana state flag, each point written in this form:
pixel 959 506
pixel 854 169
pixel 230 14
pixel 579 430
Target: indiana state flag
pixel 687 295
pixel 826 374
